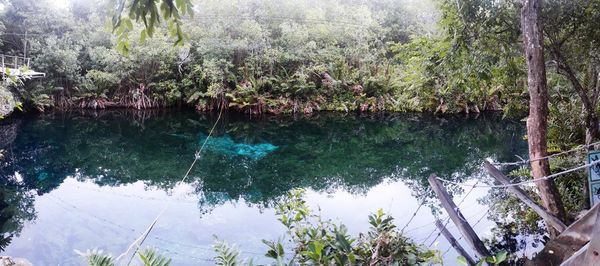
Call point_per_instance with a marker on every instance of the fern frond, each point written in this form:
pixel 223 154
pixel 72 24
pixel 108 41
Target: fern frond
pixel 96 258
pixel 226 255
pixel 151 258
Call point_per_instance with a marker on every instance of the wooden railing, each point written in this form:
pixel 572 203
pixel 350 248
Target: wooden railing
pixel 14 62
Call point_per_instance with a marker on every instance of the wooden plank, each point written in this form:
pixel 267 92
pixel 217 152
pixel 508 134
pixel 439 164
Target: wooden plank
pixel 562 248
pixel 457 218
pixel 519 193
pixel 580 231
pixel 577 258
pixel 454 243
pixel 592 255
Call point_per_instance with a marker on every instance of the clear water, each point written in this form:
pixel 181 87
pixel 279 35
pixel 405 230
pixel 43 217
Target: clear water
pixel 83 180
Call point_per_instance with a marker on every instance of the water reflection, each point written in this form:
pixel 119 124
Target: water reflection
pixel 107 174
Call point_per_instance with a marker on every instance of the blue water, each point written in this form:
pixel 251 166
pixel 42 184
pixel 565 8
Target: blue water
pixel 226 145
pixel 84 180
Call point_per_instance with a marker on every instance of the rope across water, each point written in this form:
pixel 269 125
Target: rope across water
pixel 526 181
pixel 138 242
pixel 522 162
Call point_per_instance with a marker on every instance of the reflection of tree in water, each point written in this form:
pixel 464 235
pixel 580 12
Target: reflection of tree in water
pixel 517 228
pixel 16 204
pixel 16 208
pixel 322 152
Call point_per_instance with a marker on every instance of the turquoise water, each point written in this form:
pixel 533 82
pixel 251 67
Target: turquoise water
pixel 225 145
pixel 83 180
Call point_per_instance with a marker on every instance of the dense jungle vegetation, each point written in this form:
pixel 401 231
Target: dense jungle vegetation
pixel 266 56
pixel 255 56
pixel 258 57
pixel 305 56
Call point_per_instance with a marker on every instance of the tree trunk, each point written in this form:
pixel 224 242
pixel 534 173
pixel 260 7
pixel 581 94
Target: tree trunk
pixel 589 104
pixel 537 122
pixel 591 127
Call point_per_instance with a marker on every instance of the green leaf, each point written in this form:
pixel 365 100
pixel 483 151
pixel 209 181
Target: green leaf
pixel 462 260
pixel 501 257
pixel 316 247
pixel 150 258
pixel 96 258
pixel 143 35
pixel 343 243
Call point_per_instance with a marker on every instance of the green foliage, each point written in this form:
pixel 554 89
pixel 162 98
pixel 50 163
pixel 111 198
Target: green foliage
pixel 474 64
pixel 227 255
pixel 321 242
pixel 276 251
pixel 497 259
pixel 327 55
pixel 150 13
pixel 97 258
pixel 320 55
pixel 149 257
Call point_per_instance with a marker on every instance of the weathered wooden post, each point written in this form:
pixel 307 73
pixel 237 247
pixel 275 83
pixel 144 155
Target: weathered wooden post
pixel 457 218
pixel 585 228
pixel 519 193
pixel 592 256
pixel 454 243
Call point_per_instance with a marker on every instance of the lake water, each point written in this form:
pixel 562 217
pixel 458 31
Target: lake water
pixel 84 180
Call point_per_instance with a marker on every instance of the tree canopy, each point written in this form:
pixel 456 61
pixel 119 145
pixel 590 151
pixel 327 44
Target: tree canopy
pixel 271 56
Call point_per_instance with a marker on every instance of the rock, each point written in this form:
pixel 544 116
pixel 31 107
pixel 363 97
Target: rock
pixel 7 102
pixel 8 261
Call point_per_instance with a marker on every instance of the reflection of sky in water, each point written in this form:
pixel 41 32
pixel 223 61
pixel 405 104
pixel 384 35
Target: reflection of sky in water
pixel 81 215
pixel 352 165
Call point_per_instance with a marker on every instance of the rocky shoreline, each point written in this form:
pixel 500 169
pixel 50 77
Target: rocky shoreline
pixel 8 103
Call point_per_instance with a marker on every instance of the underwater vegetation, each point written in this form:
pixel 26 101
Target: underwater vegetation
pixel 226 145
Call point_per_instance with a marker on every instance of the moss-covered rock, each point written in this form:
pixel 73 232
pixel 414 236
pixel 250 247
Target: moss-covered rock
pixel 7 102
